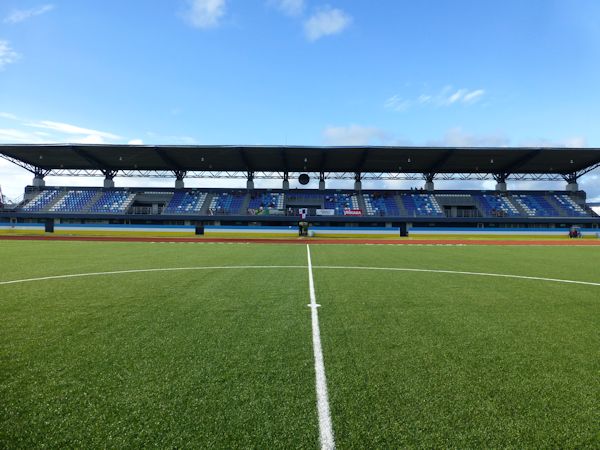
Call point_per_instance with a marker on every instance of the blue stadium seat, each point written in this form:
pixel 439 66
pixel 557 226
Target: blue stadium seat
pixel 380 204
pixel 422 204
pixel 113 202
pixel 185 202
pixel 74 201
pixel 495 205
pixel 41 201
pixel 536 205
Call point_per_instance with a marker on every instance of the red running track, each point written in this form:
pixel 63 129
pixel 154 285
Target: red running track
pixel 544 242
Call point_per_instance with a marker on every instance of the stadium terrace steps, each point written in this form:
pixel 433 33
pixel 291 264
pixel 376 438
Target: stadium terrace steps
pixel 227 203
pixel 113 202
pixel 422 204
pixel 380 204
pixel 257 202
pixel 74 201
pixel 536 205
pixel 42 201
pixel 340 202
pixel 495 205
pixel 567 203
pixel 94 200
pixel 376 204
pixel 183 202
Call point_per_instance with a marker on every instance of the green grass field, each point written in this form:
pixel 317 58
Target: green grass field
pixel 223 357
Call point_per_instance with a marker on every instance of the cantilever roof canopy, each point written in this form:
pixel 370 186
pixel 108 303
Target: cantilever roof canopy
pixel 303 158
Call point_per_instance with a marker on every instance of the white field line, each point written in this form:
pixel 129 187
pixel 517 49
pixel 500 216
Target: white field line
pixel 396 269
pixel 325 426
pixel 458 272
pixel 164 269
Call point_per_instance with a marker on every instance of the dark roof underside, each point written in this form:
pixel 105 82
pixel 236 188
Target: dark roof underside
pixel 305 159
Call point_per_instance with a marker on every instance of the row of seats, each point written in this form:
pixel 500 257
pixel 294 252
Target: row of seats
pixel 186 202
pixel 41 201
pixel 380 204
pixel 74 201
pixel 274 200
pixel 226 203
pixel 536 205
pixel 113 202
pixel 422 204
pixel 372 203
pixel 497 206
pixel 568 204
pixel 339 202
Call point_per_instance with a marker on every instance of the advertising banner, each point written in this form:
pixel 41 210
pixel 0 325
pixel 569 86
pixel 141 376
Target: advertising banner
pixel 325 212
pixel 352 212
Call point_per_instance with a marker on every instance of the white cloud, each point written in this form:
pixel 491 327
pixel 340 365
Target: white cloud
pixel 397 103
pixel 326 21
pixel 90 139
pixel 354 135
pixel 456 137
pixel 135 142
pixel 458 95
pixel 15 136
pixel 7 54
pixel 70 129
pixel 473 96
pixel 5 115
pixel 575 141
pixel 447 96
pixel 204 13
pixel 20 15
pixel 292 8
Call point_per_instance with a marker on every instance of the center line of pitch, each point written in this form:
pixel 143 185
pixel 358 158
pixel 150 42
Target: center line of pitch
pixel 325 427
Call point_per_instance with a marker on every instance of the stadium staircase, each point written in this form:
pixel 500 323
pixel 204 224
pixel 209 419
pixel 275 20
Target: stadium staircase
pixel 94 200
pixel 422 204
pixel 266 200
pixel 380 204
pixel 536 205
pixel 43 201
pixel 494 205
pixel 74 201
pixel 567 206
pixel 113 202
pixel 185 202
pixel 339 201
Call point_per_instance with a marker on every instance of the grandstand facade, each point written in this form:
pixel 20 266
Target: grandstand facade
pixel 354 211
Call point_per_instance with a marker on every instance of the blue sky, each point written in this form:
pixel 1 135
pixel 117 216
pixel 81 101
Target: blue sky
pixel 299 72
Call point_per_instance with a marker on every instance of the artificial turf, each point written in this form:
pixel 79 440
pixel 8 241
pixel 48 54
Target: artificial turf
pixel 223 357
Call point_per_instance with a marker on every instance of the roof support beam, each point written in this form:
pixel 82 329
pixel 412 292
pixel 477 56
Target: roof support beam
pixel 429 176
pixel 29 167
pixel 362 160
pixel 109 174
pixel 515 165
pixel 587 170
pixel 284 159
pixel 500 177
pixel 95 162
pixel 440 162
pixel 245 160
pixel 168 160
pixel 179 174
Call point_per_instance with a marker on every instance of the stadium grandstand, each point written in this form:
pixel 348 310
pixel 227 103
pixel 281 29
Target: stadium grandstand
pixel 352 211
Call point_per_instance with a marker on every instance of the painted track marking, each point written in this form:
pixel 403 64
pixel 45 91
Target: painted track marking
pixel 163 269
pixel 459 272
pixel 392 269
pixel 325 426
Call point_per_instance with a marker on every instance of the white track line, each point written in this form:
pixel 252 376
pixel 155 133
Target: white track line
pixel 325 427
pixel 164 269
pixel 393 269
pixel 458 272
